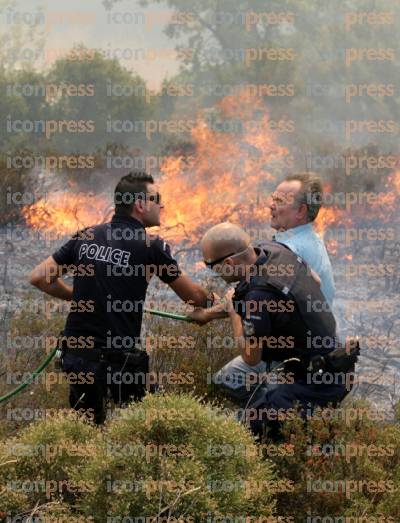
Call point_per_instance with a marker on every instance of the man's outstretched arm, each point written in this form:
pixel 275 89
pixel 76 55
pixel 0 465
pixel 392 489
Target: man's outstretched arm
pixel 202 316
pixel 189 291
pixel 218 311
pixel 46 277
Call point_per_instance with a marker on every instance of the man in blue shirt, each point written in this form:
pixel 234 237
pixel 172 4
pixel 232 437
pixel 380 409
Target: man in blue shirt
pixel 294 206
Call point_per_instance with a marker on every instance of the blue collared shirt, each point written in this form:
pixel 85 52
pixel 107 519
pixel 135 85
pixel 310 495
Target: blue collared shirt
pixel 305 242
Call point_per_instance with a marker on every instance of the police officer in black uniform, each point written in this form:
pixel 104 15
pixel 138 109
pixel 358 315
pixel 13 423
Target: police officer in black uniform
pixel 278 313
pixel 112 265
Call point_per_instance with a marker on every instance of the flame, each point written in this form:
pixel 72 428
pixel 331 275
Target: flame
pixel 396 181
pixel 228 178
pixel 65 212
pixel 225 176
pixel 327 216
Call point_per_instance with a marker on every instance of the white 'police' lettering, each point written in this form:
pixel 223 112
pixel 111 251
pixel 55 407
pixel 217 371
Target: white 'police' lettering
pixel 105 254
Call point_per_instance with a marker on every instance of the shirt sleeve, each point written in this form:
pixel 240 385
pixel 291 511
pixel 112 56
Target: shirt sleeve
pixel 264 309
pixel 167 268
pixel 256 318
pixel 65 255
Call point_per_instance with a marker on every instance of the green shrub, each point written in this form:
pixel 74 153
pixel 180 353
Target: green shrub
pixel 163 456
pixel 35 465
pixel 11 181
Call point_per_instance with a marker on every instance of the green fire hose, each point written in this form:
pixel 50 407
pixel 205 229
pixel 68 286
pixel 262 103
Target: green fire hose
pixel 168 315
pixel 28 381
pixel 46 362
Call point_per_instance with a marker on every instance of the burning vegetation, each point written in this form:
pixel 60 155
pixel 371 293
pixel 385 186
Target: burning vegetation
pixel 223 176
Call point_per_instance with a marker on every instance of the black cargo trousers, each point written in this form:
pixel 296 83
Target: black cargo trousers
pixel 91 373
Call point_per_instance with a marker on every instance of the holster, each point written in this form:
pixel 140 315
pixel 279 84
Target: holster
pixel 296 367
pixel 341 359
pixel 133 358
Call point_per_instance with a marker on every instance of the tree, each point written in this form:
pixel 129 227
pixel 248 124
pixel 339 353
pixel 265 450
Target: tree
pixel 111 93
pixel 228 45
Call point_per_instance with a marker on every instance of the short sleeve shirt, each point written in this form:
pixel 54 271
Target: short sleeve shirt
pixel 112 265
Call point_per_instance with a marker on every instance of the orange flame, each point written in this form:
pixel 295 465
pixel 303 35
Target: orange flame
pixel 65 213
pixel 394 181
pixel 228 176
pixel 327 216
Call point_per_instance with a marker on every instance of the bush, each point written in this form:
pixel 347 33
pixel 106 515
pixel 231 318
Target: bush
pixel 35 465
pixel 11 181
pixel 162 457
pixel 342 467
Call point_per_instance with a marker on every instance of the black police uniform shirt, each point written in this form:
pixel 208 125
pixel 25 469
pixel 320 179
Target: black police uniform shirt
pixel 274 317
pixel 112 264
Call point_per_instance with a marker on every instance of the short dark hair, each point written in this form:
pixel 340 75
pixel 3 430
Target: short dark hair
pixel 311 192
pixel 130 188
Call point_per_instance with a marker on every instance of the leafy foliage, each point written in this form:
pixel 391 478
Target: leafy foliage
pixel 161 456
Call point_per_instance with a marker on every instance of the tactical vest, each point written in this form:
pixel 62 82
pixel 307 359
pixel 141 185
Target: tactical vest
pixel 288 276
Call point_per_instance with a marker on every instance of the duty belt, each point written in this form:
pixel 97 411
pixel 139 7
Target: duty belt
pixel 132 357
pixel 340 360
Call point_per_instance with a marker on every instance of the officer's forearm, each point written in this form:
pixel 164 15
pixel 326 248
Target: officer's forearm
pixel 237 329
pixel 237 326
pixel 216 312
pixel 250 351
pixel 189 291
pixel 199 297
pixel 57 289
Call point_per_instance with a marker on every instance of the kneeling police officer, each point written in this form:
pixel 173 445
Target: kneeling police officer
pixel 112 264
pixel 273 320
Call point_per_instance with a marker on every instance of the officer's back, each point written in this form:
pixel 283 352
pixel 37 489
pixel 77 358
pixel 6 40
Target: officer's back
pixel 113 263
